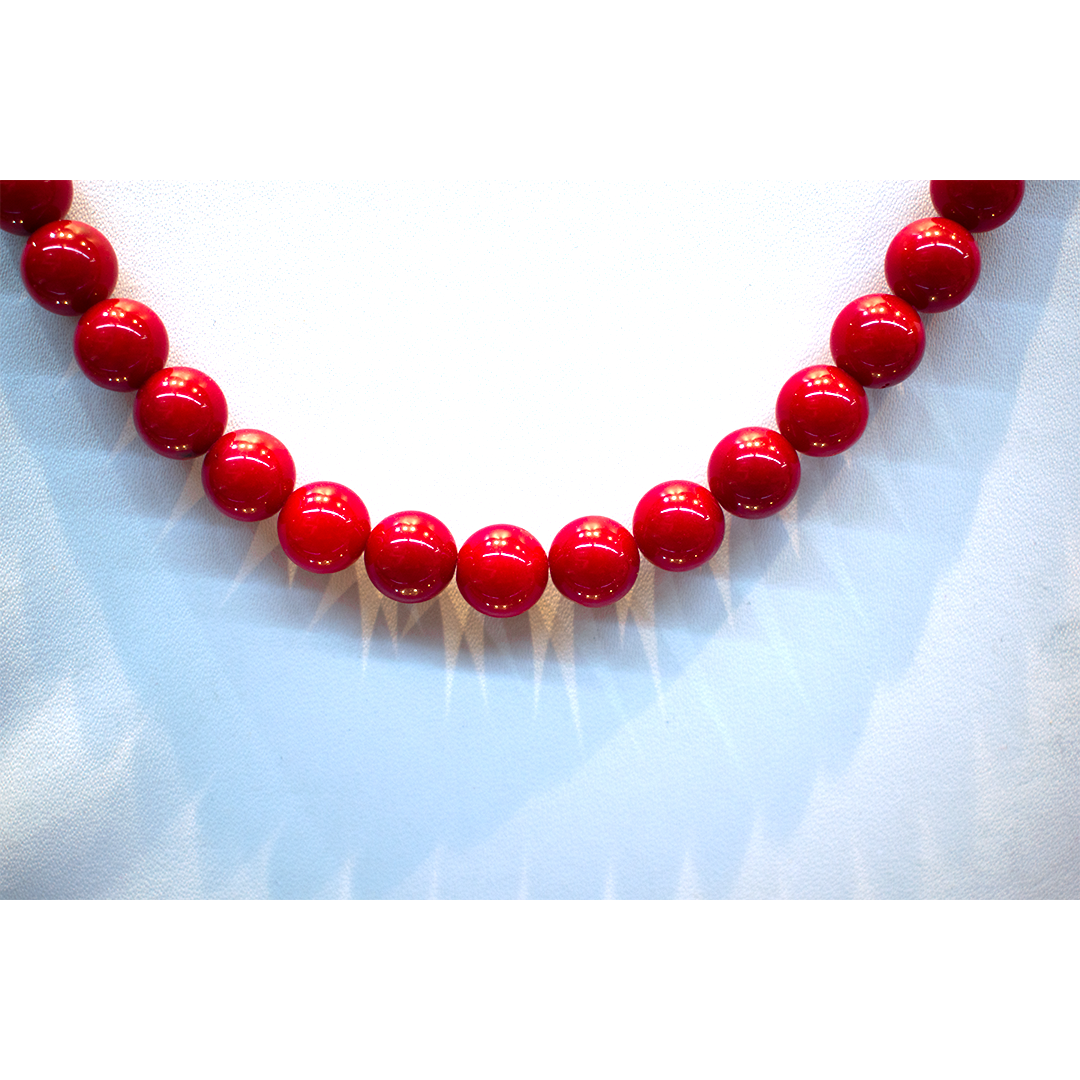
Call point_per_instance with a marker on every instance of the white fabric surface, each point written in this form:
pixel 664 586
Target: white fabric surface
pixel 873 694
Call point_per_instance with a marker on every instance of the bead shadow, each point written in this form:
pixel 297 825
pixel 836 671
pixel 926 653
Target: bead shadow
pixel 690 601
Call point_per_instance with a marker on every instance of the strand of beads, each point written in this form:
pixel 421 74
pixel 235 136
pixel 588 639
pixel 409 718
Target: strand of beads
pixel 877 341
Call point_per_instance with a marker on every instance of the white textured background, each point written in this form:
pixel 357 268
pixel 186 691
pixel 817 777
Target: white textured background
pixel 873 694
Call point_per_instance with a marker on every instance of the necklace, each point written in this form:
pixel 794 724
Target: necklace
pixel 502 570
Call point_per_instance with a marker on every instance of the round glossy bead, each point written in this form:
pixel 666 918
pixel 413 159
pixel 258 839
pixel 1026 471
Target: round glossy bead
pixel 754 472
pixel 933 264
pixel 248 475
pixel 821 410
pixel 68 267
pixel 594 561
pixel 978 205
pixel 502 570
pixel 879 339
pixel 180 412
pixel 410 557
pixel 678 525
pixel 26 205
pixel 323 527
pixel 119 344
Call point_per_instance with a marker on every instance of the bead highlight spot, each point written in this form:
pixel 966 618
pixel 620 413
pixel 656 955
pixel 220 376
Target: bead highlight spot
pixel 821 410
pixel 933 264
pixel 502 570
pixel 978 205
pixel 594 561
pixel 26 205
pixel 323 527
pixel 678 525
pixel 248 475
pixel 119 344
pixel 410 557
pixel 879 339
pixel 68 267
pixel 180 412
pixel 754 472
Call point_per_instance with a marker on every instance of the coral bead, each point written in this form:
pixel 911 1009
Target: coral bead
pixel 502 570
pixel 410 557
pixel 26 205
pixel 678 525
pixel 248 475
pixel 594 561
pixel 119 344
pixel 879 339
pixel 180 412
pixel 754 472
pixel 978 205
pixel 933 264
pixel 68 267
pixel 323 527
pixel 821 411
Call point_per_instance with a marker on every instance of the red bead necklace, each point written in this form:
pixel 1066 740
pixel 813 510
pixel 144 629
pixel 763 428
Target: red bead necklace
pixel 931 265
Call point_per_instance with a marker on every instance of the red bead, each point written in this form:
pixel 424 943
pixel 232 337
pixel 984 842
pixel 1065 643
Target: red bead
pixel 933 264
pixel 821 411
pixel 68 267
pixel 119 344
pixel 678 525
pixel 180 412
pixel 248 475
pixel 26 205
pixel 978 205
pixel 502 570
pixel 879 339
pixel 754 472
pixel 323 527
pixel 410 557
pixel 594 561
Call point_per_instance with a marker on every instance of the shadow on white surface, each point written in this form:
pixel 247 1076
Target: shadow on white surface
pixel 184 714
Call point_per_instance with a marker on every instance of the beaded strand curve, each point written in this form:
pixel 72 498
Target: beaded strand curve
pixel 502 570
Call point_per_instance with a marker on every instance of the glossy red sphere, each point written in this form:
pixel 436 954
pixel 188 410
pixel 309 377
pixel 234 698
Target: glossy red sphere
pixel 594 561
pixel 502 570
pixel 821 410
pixel 323 527
pixel 180 412
pixel 933 264
pixel 879 339
pixel 978 205
pixel 26 205
pixel 678 525
pixel 248 475
pixel 754 472
pixel 119 344
pixel 68 267
pixel 410 557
